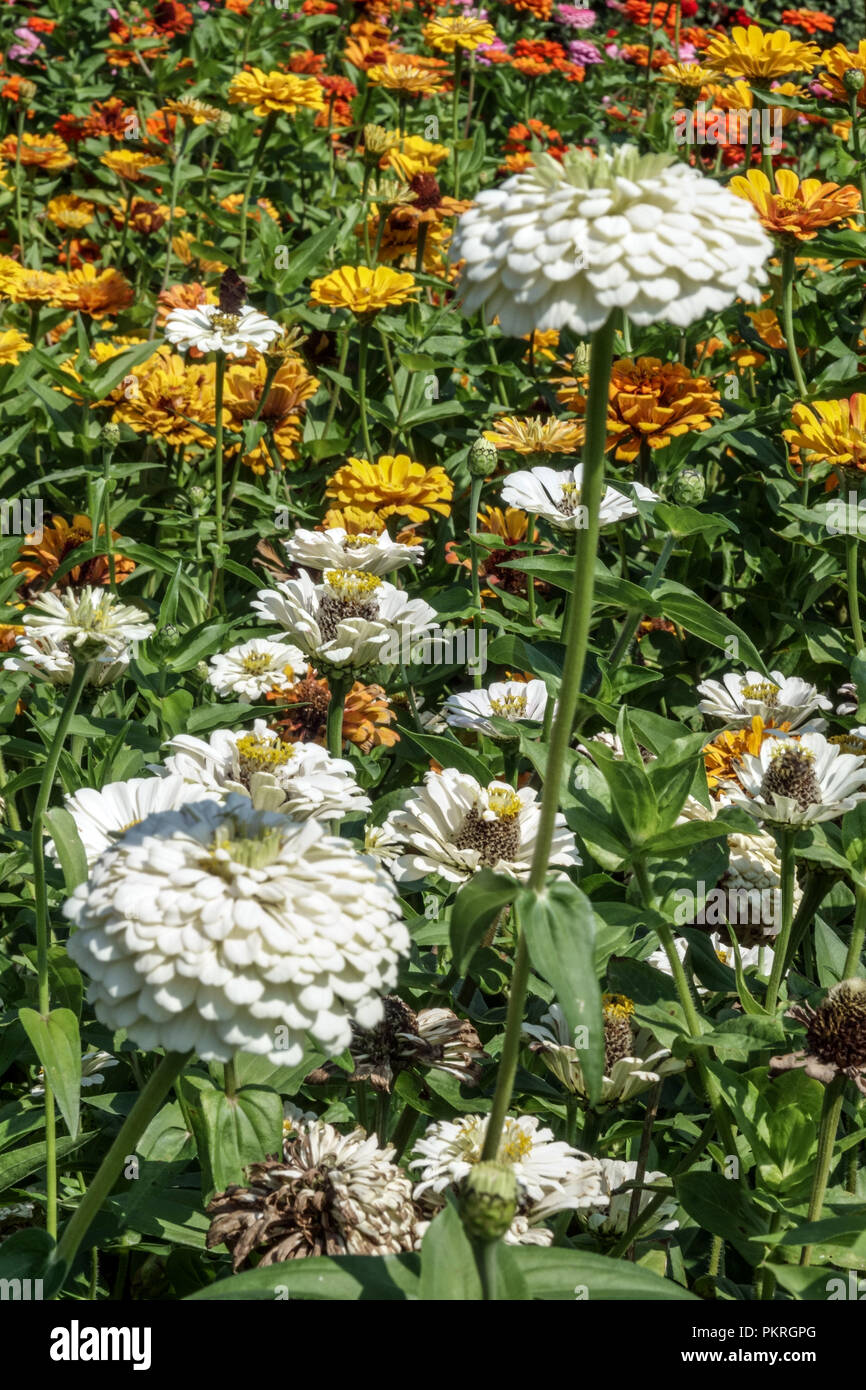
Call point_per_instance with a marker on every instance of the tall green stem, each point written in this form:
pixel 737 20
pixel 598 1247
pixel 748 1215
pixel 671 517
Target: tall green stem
pixel 245 200
pixel 788 320
pixel 455 111
pixel 852 583
pixel 474 504
pixel 830 1113
pixel 687 1004
pixel 49 771
pixel 858 932
pixel 339 688
pixel 218 477
pixel 364 333
pixel 148 1102
pixel 786 857
pixel 576 639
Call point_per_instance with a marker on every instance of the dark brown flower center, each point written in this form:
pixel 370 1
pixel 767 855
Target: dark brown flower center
pixel 791 773
pixel 495 840
pixel 837 1033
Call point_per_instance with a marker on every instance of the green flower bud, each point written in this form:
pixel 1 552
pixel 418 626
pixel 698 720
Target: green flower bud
pixel 689 487
pixel 202 670
pixel 854 80
pixel 483 458
pixel 111 435
pixel 197 498
pixel 488 1200
pixel 164 641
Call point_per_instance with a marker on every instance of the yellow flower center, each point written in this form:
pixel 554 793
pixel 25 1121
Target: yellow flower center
pixel 257 664
pixel 504 803
pixel 509 707
pixel 617 1006
pixel 351 585
pixel 570 499
pixel 516 1146
pixel 227 323
pixel 765 691
pixel 355 542
pixel 258 755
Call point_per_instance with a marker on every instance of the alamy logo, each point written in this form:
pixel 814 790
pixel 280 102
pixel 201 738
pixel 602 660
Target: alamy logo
pixel 22 517
pixel 21 1290
pixel 743 906
pixel 77 1343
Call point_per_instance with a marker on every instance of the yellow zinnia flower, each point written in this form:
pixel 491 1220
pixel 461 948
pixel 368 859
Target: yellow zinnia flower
pixel 393 485
pixel 12 345
pixel 798 210
pixel 268 92
pixel 363 290
pixel 457 31
pixel 837 62
pixel 167 399
pixel 129 164
pixel 831 431
pixel 751 53
pixel 535 436
pixel 69 211
pixel 413 155
pixel 406 79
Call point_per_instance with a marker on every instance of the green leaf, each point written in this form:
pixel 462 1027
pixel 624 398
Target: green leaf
pixel 724 1208
pixel 57 1044
pixel 448 1271
pixel 631 795
pixel 240 1130
pixel 688 521
pixel 20 1163
pixel 560 934
pixel 476 907
pixel 553 1274
pixel 854 836
pixel 68 847
pixel 448 753
pixel 680 605
pixel 351 1278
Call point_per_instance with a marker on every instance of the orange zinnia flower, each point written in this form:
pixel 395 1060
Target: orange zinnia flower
pixel 39 560
pixel 37 151
pixel 650 402
pixel 798 210
pixel 839 61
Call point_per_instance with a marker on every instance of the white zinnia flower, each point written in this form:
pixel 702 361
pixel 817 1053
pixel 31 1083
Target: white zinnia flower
pixel 335 549
pixel 737 698
pixel 50 660
pixel 551 1176
pixel 255 667
pixel 349 619
pixel 211 329
pixel 299 779
pixel 758 957
pixel 90 623
pixel 512 700
pixel 797 780
pixel 93 1064
pixel 633 1061
pixel 453 826
pixel 749 893
pixel 555 495
pixel 219 928
pixel 101 817
pixel 561 245
pixel 613 1217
